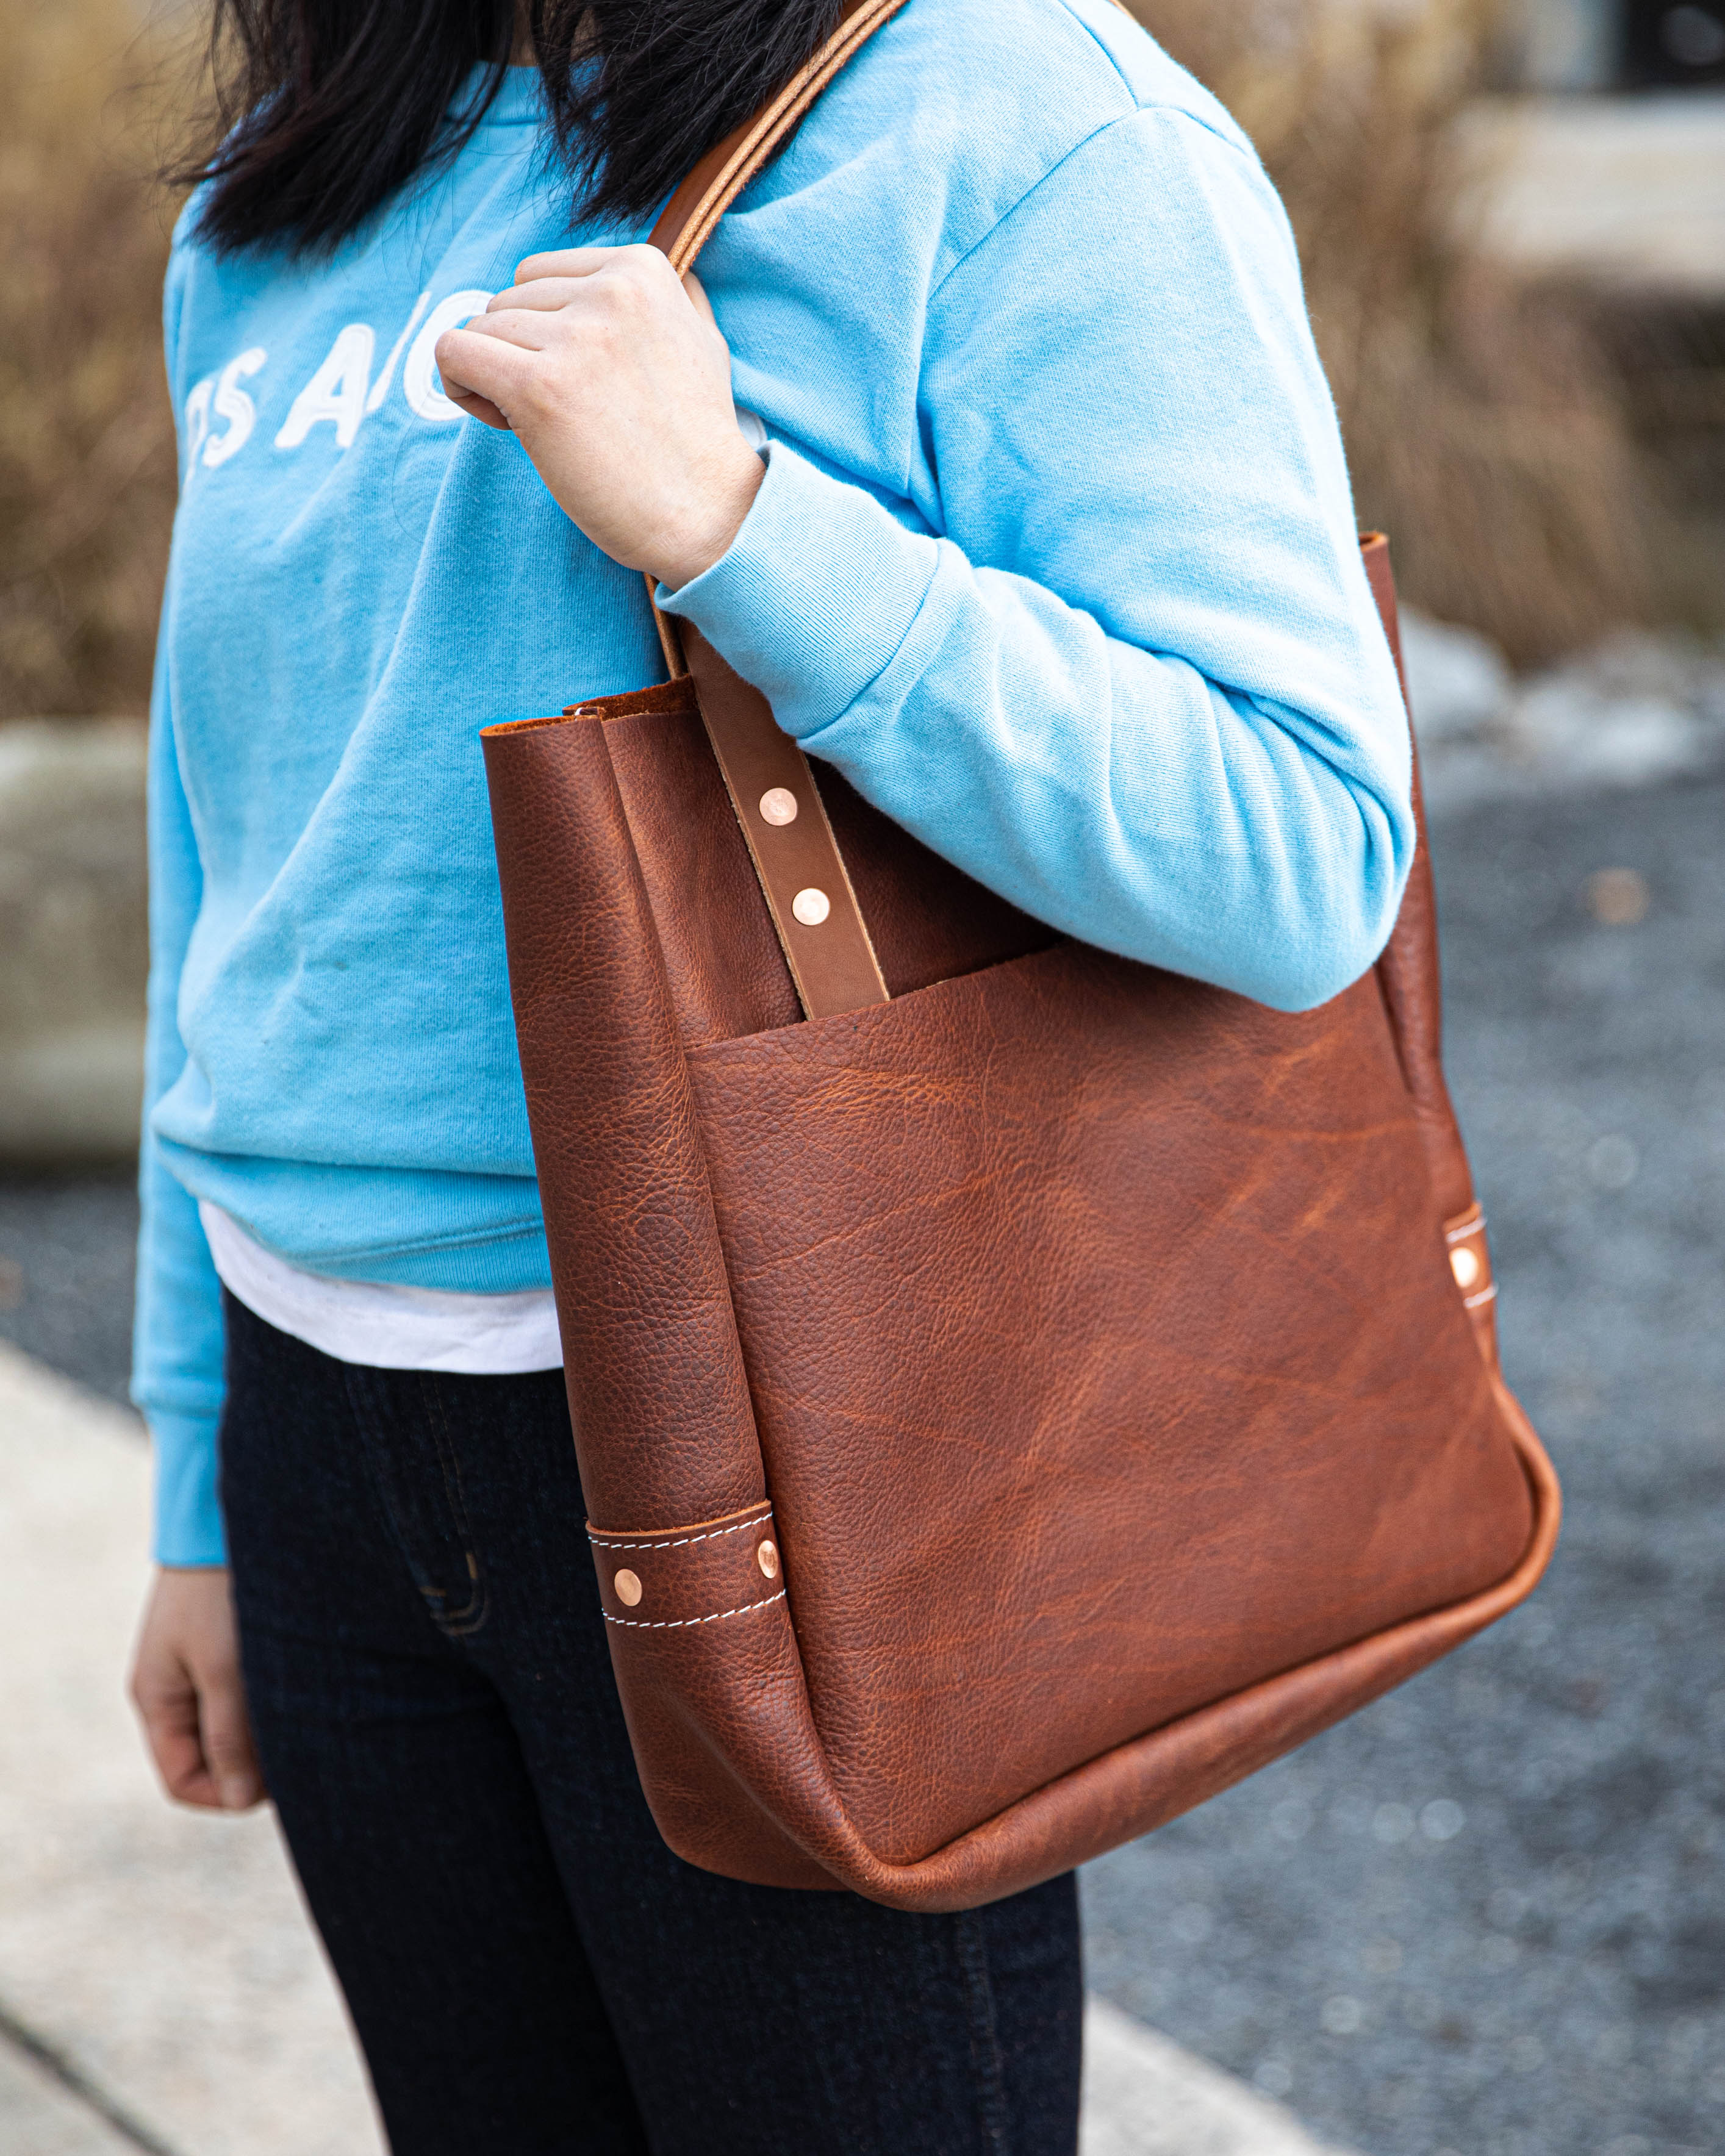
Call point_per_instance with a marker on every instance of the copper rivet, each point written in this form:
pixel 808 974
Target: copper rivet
pixel 1465 1264
pixel 778 805
pixel 767 1557
pixel 629 1589
pixel 811 906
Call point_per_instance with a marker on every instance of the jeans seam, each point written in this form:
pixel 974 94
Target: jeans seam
pixel 358 1382
pixel 992 2116
pixel 458 1624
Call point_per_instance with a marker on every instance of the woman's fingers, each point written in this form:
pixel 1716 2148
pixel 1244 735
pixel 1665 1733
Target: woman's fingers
pixel 613 376
pixel 484 370
pixel 523 326
pixel 547 294
pixel 546 318
pixel 542 295
pixel 168 1706
pixel 477 373
pixel 229 1753
pixel 572 262
pixel 637 275
pixel 479 408
pixel 186 1686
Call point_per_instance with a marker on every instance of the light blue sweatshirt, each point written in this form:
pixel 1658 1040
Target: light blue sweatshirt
pixel 1054 558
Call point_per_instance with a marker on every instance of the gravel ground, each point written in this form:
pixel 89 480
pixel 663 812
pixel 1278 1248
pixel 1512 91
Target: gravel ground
pixel 1487 1918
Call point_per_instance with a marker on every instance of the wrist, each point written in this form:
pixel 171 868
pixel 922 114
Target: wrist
pixel 816 597
pixel 706 535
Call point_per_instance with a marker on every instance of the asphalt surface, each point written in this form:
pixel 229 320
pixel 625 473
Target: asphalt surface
pixel 66 1274
pixel 1485 1917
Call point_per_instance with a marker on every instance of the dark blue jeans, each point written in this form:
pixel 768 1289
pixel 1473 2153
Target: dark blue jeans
pixel 528 1967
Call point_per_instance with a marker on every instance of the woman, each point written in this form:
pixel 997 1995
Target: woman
pixel 998 453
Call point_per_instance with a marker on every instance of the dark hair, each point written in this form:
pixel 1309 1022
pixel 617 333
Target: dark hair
pixel 327 107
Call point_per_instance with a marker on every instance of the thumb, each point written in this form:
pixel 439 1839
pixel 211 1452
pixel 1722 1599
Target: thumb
pixel 228 1746
pixel 697 292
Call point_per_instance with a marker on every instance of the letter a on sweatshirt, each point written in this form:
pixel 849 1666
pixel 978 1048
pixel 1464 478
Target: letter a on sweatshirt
pixel 335 393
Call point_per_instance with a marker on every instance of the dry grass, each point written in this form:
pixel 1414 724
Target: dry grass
pixel 1486 426
pixel 1486 430
pixel 86 443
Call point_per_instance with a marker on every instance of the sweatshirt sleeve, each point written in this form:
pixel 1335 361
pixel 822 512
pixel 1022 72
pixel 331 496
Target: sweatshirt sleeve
pixel 1133 678
pixel 177 1336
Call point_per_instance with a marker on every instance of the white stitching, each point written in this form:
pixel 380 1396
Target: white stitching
pixel 1474 1226
pixel 680 1624
pixel 1485 1294
pixel 713 1534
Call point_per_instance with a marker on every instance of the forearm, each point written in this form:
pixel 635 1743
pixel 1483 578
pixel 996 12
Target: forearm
pixel 1114 792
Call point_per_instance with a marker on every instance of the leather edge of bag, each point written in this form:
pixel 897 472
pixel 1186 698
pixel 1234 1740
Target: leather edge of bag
pixel 681 1442
pixel 1407 967
pixel 1246 1732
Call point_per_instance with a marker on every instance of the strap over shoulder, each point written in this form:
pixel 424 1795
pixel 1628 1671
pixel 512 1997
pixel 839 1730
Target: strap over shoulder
pixel 802 873
pixel 686 222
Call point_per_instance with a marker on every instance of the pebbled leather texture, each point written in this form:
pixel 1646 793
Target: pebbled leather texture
pixel 1102 1364
pixel 1106 1363
pixel 664 1428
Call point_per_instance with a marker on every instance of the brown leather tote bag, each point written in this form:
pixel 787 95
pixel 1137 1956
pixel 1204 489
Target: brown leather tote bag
pixel 1017 1391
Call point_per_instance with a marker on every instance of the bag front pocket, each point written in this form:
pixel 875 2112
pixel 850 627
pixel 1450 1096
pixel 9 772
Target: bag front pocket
pixel 1104 1360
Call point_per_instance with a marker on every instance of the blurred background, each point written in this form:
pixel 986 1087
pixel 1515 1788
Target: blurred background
pixel 1485 1918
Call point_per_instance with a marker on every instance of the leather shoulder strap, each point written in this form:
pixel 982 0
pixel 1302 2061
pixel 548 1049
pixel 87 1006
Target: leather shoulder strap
pixel 686 222
pixel 802 873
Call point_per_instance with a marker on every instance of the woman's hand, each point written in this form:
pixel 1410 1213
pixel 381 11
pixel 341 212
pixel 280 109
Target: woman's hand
pixel 615 377
pixel 185 1684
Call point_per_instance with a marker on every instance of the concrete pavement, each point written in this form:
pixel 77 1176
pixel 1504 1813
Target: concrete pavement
pixel 162 1955
pixel 160 1989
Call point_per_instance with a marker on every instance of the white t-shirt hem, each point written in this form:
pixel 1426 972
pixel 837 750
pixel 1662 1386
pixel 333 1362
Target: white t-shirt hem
pixel 385 1327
